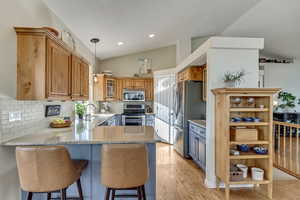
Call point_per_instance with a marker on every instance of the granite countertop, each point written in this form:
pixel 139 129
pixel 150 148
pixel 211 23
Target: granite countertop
pixel 87 132
pixel 201 123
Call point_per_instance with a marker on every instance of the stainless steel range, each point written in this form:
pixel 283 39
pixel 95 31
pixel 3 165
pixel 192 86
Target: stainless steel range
pixel 134 115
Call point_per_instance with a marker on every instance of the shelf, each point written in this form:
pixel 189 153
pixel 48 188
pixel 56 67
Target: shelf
pixel 248 155
pixel 249 181
pixel 248 124
pixel 249 109
pixel 249 142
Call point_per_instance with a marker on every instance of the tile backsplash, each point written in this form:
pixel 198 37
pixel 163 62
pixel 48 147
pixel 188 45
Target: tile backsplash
pixel 32 117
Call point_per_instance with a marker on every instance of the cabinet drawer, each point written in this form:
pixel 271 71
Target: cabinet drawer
pixel 197 130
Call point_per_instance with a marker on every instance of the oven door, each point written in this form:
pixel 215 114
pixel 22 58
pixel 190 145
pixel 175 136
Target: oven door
pixel 133 120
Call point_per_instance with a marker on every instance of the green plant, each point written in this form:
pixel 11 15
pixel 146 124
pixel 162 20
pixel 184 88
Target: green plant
pixel 234 76
pixel 287 100
pixel 80 109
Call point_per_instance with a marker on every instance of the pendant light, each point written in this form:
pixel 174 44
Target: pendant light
pixel 95 41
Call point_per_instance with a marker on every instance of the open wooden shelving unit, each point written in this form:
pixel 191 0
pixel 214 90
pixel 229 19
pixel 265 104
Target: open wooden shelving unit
pixel 225 109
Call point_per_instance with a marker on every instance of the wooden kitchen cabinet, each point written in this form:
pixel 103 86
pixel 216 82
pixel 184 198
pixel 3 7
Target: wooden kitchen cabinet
pixel 80 79
pixel 127 83
pixel 194 73
pixel 119 83
pixel 45 68
pixel 111 88
pixel 105 89
pixel 138 84
pixel 84 81
pixel 149 89
pixel 76 77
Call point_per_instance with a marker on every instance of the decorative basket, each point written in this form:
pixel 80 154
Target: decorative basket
pixel 64 125
pixel 236 174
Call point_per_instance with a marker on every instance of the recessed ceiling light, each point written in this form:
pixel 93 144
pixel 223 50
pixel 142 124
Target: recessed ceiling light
pixel 151 35
pixel 120 43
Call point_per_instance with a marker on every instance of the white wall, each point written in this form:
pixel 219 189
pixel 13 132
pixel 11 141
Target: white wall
pixel 197 42
pixel 129 65
pixel 285 76
pixel 31 13
pixel 219 61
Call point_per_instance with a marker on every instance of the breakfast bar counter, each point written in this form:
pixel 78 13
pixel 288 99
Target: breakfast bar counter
pixel 84 141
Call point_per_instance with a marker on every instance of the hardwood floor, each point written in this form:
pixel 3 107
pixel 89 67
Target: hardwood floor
pixel 181 179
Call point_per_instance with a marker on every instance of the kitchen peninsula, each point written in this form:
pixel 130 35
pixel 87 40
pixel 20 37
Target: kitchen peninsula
pixel 84 141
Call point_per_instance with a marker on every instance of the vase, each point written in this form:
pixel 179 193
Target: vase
pixel 230 84
pixel 80 117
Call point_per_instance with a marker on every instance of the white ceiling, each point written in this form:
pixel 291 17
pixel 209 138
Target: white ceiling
pixel 130 21
pixel 278 21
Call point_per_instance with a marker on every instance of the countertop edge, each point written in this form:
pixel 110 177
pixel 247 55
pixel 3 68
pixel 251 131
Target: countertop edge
pixel 197 124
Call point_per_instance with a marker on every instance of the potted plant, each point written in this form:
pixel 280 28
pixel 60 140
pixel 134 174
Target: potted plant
pixel 80 109
pixel 234 79
pixel 286 101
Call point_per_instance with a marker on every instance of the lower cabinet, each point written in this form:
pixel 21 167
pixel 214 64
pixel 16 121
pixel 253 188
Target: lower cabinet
pixel 197 145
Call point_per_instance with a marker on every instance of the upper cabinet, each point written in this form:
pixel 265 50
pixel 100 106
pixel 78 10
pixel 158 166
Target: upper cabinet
pixel 58 70
pixel 80 79
pixel 194 73
pixel 105 89
pixel 48 69
pixel 111 89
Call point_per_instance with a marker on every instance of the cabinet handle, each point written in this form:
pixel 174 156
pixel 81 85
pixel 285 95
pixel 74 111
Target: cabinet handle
pixel 27 85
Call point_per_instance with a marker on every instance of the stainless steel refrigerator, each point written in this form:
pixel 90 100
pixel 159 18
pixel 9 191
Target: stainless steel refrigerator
pixel 188 105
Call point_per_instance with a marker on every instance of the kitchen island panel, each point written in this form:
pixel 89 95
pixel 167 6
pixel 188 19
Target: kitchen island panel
pixel 90 180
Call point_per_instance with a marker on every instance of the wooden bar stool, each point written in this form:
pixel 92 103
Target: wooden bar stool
pixel 124 167
pixel 48 169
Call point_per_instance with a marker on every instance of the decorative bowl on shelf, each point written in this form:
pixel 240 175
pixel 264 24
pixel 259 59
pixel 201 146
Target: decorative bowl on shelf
pixel 248 119
pixel 243 147
pixel 236 119
pixel 260 150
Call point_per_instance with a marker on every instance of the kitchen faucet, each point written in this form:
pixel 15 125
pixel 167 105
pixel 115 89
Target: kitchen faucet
pixel 88 116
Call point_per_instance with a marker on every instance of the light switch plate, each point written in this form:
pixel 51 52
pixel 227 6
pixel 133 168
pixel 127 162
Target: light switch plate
pixel 14 116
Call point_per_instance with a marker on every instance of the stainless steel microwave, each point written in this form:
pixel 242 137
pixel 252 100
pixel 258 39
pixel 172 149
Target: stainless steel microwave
pixel 133 95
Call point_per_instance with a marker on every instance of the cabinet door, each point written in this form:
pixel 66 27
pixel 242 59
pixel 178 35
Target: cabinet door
pixel 76 77
pixel 191 145
pixel 127 83
pixel 149 89
pixel 119 95
pixel 202 152
pixel 58 71
pixel 110 89
pixel 84 79
pixel 139 84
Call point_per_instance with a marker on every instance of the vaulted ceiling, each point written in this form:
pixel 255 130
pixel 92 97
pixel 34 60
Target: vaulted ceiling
pixel 277 21
pixel 131 21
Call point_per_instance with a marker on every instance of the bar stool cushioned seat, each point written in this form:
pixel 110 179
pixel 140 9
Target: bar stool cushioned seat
pixel 47 168
pixel 124 166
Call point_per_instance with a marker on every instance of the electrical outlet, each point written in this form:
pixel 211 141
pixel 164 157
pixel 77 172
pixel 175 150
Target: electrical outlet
pixel 14 116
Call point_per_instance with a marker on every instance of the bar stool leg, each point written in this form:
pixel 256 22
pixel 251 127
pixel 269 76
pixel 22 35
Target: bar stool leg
pixel 49 196
pixel 139 193
pixel 107 194
pixel 63 194
pixel 144 193
pixel 29 196
pixel 113 194
pixel 79 189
